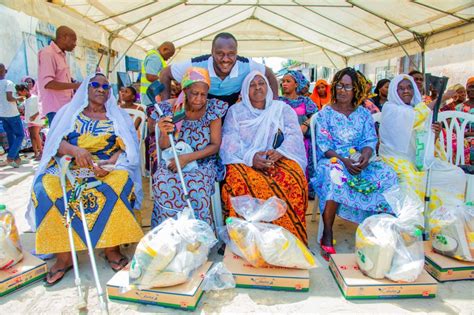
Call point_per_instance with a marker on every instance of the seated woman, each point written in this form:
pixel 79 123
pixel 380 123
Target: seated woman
pixel 128 96
pixel 201 132
pixel 403 116
pixel 263 150
pixel 350 187
pixel 293 84
pixel 94 131
pixel 321 95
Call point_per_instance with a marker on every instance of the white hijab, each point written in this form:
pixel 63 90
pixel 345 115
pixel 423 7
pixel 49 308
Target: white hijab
pixel 63 124
pixel 397 121
pixel 248 130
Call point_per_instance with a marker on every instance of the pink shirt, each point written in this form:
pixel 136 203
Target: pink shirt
pixel 52 65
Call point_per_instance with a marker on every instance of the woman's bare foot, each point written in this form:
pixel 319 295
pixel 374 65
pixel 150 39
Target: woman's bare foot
pixel 116 260
pixel 62 265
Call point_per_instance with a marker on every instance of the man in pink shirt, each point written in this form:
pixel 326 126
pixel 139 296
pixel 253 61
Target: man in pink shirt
pixel 54 78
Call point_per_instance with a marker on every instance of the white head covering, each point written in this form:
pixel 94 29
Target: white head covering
pixel 248 130
pixel 63 124
pixel 396 125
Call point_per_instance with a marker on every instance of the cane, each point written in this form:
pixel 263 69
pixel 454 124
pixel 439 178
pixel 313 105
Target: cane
pixel 65 172
pixel 176 159
pixel 440 84
pixel 63 164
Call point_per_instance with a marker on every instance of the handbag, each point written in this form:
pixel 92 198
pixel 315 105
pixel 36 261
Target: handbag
pixel 278 140
pixel 181 148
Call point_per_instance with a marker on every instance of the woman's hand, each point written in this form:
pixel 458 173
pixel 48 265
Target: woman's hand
pixel 436 127
pixel 353 169
pixel 166 125
pixel 273 156
pixel 83 158
pixel 364 160
pixel 183 161
pixel 99 171
pixel 260 161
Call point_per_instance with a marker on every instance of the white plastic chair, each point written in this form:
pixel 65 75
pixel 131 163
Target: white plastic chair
pixel 456 123
pixel 312 128
pixel 215 198
pixel 377 117
pixel 138 114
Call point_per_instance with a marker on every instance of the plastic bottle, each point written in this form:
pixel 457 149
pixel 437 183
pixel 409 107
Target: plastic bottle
pixel 10 246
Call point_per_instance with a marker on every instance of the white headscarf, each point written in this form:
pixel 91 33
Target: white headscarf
pixel 63 124
pixel 396 125
pixel 248 130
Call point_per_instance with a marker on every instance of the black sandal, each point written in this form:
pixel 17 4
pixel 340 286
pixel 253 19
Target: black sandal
pixel 121 263
pixel 51 274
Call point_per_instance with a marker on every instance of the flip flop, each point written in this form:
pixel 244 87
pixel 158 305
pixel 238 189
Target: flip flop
pixel 51 274
pixel 122 262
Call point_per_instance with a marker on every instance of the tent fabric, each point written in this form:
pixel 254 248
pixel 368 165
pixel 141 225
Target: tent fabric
pixel 333 33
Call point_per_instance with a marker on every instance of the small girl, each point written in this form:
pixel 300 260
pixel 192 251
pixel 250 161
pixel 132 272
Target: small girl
pixel 32 117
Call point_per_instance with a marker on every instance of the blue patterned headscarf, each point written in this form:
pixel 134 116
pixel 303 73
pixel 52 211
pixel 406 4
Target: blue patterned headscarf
pixel 300 79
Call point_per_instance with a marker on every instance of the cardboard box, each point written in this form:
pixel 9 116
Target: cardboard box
pixel 27 271
pixel 355 285
pixel 444 268
pixel 183 296
pixel 270 278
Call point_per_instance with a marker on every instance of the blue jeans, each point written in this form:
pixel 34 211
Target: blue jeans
pixel 50 117
pixel 14 129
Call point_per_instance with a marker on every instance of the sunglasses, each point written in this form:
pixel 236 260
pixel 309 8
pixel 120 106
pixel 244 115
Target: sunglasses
pixel 345 87
pixel 96 85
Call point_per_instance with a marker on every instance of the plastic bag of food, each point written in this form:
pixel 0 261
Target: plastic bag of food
pixel 218 278
pixel 10 246
pixel 168 254
pixel 264 243
pixel 451 231
pixel 391 247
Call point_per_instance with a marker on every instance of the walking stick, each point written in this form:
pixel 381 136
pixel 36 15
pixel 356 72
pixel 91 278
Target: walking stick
pixel 64 163
pixel 439 83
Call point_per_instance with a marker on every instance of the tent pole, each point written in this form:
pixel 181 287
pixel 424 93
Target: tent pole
pixel 130 46
pixel 330 59
pixel 401 45
pixel 109 53
pixel 421 40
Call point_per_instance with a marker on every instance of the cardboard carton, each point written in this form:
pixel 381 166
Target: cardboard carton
pixel 355 285
pixel 270 278
pixel 444 268
pixel 183 296
pixel 27 271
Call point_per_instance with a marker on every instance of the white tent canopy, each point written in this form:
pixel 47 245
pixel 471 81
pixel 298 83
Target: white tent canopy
pixel 325 32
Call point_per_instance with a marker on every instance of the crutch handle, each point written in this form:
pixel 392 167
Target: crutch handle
pixel 64 163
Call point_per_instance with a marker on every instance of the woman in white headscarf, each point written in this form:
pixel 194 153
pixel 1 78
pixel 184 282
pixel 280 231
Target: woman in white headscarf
pixel 404 116
pixel 263 150
pixel 95 132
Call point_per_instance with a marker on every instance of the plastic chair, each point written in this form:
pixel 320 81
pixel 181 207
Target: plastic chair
pixel 312 128
pixel 455 123
pixel 216 204
pixel 377 117
pixel 142 128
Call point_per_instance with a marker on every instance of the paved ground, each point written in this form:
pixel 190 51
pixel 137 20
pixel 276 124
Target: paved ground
pixel 323 297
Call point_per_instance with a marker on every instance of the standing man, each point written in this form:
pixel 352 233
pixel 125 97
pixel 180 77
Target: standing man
pixel 154 62
pixel 10 118
pixel 54 77
pixel 226 69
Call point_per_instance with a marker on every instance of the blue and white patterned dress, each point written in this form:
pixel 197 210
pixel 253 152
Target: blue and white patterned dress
pixel 167 188
pixel 340 133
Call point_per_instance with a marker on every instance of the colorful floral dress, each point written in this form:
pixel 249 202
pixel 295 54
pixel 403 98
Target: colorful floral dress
pixel 335 131
pixel 167 188
pixel 108 207
pixel 304 108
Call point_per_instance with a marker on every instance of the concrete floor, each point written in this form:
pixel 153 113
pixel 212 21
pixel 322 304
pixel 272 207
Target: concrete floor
pixel 323 297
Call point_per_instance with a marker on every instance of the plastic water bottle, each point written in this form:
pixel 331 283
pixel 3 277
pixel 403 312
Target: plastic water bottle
pixel 354 155
pixel 10 246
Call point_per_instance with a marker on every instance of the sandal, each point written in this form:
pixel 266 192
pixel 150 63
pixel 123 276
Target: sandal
pixel 51 274
pixel 121 263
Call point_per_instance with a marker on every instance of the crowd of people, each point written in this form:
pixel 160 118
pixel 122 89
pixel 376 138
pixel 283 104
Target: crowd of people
pixel 238 127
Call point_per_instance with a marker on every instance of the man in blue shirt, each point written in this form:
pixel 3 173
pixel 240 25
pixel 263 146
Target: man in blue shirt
pixel 226 69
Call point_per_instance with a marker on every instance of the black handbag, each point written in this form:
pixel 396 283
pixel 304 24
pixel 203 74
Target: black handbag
pixel 278 140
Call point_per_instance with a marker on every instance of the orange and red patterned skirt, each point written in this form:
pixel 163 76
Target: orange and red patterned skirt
pixel 287 182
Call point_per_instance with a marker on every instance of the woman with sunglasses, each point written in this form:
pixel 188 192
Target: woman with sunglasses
pixel 102 140
pixel 348 185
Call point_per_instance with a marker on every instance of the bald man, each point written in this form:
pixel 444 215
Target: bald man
pixel 55 85
pixel 154 62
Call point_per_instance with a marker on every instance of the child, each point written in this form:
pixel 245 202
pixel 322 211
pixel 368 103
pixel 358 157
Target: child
pixel 33 119
pixel 10 118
